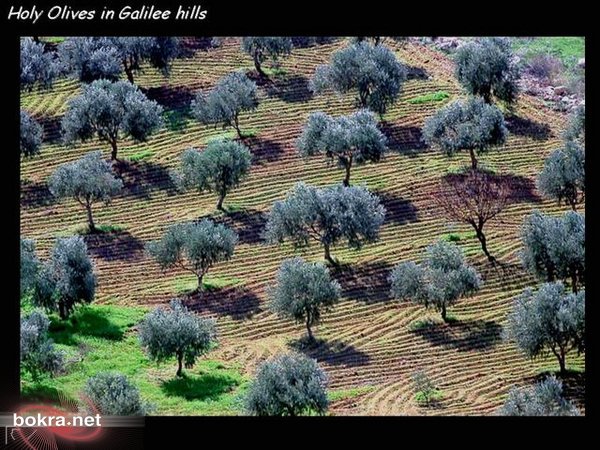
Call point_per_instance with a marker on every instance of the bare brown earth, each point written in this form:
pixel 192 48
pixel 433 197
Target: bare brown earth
pixel 367 338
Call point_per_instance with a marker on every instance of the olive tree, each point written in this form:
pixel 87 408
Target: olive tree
pixel 554 247
pixel 112 394
pixel 543 399
pixel 111 110
pixel 194 247
pixel 159 52
pixel 349 139
pixel 563 175
pixel 469 125
pixel 439 281
pixel 38 353
pixel 30 265
pixel 549 320
pixel 234 93
pixel 372 70
pixel 326 215
pixel 474 199
pixel 38 67
pixel 288 385
pixel 90 58
pixel 87 180
pixel 261 48
pixel 219 168
pixel 176 331
pixel 31 135
pixel 66 279
pixel 485 67
pixel 576 128
pixel 303 291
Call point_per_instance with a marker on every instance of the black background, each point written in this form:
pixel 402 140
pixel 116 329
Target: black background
pixel 298 18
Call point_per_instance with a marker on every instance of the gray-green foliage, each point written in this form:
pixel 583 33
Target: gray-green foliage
pixel 543 399
pixel 439 281
pixel 469 125
pixel 93 58
pixel 349 139
pixel 485 67
pixel 576 129
pixel 372 70
pixel 261 48
pixel 87 180
pixel 563 175
pixel 303 291
pixel 90 58
pixel 554 247
pixel 38 354
pixel 548 321
pixel 66 279
pixel 30 264
pixel 176 331
pixel 110 110
pixel 288 385
pixel 219 168
pixel 327 215
pixel 37 66
pixel 234 93
pixel 112 394
pixel 194 246
pixel 426 392
pixel 31 135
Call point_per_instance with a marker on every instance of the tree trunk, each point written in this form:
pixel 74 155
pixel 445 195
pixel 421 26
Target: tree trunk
pixel 311 338
pixel 128 72
pixel 487 96
pixel 179 364
pixel 328 255
pixel 62 310
pixel 90 218
pixel 473 159
pixel 483 242
pixel 113 154
pixel 348 166
pixel 200 287
pixel 444 315
pixel 562 361
pixel 36 39
pixel 574 282
pixel 256 58
pixel 220 202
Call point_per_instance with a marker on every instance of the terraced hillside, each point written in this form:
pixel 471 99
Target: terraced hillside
pixel 371 343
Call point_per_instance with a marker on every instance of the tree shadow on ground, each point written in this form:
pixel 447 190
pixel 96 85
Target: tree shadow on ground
pixel 416 73
pixel 208 386
pixel 248 224
pixel 85 322
pixel 293 88
pixel 239 303
pixel 264 150
pixel 463 336
pixel 115 246
pixel 141 177
pixel 398 210
pixel 51 126
pixel 190 45
pixel 366 282
pixel 520 189
pixel 407 141
pixel 36 194
pixel 335 353
pixel 171 97
pixel 522 126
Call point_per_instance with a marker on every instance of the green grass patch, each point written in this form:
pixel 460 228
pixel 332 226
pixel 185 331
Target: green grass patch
pixel 110 228
pixel 344 394
pixel 226 135
pixel 100 338
pixel 52 39
pixel 426 399
pixel 274 71
pixel 145 154
pixel 432 97
pixel 457 237
pixel 568 48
